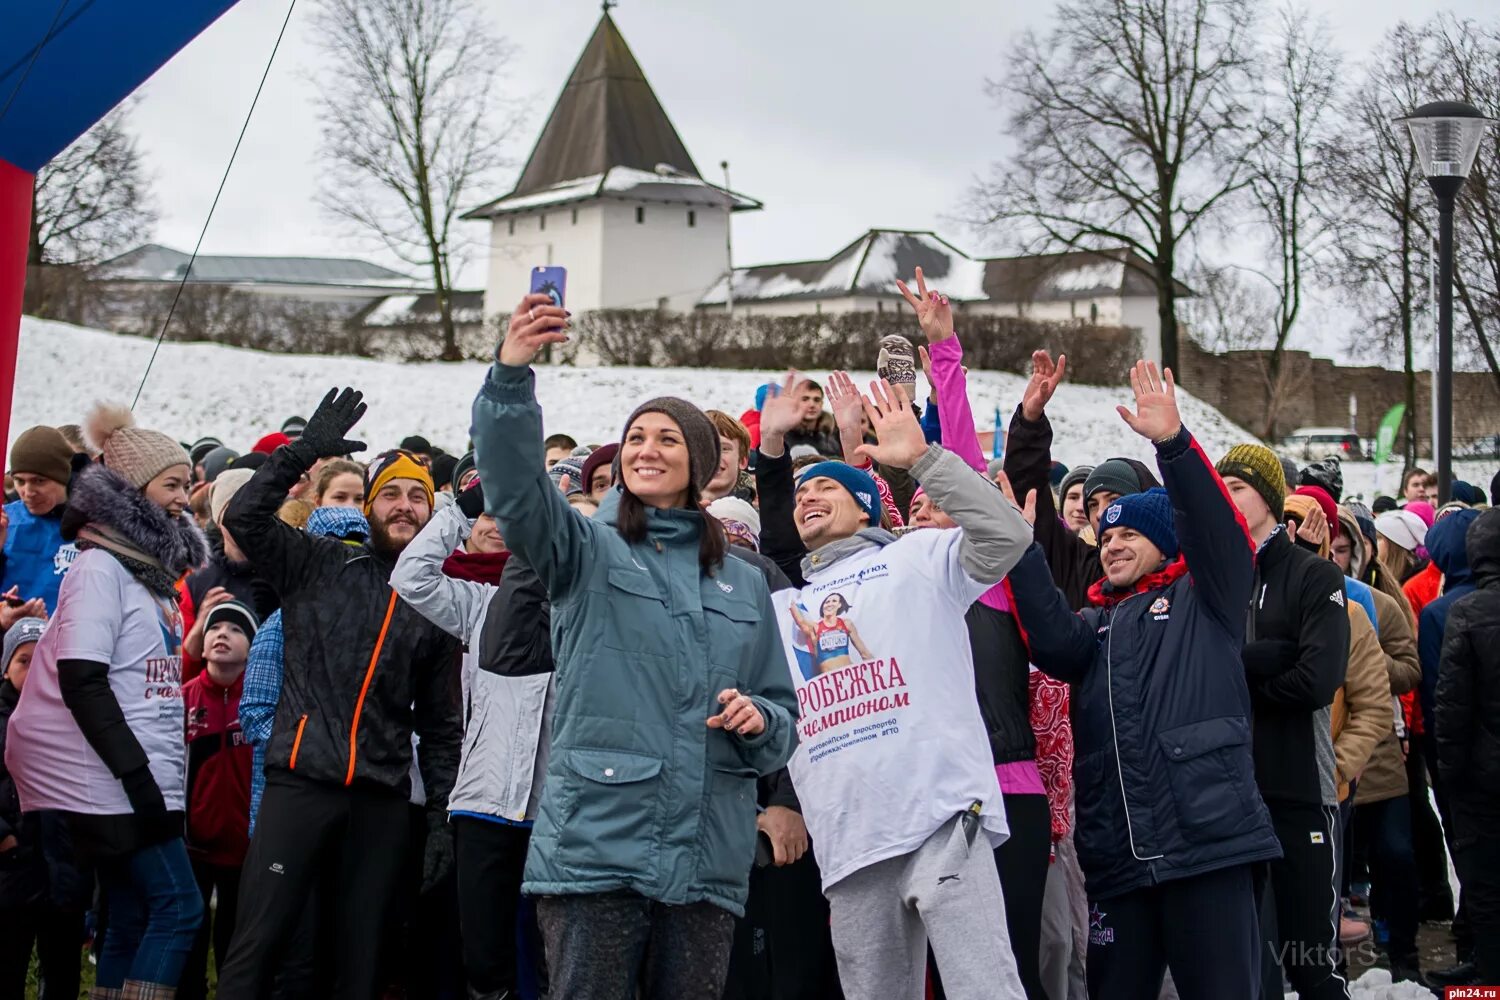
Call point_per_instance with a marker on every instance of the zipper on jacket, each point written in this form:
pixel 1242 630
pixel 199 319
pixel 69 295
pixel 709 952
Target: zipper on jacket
pixel 359 704
pixel 297 743
pixel 1114 735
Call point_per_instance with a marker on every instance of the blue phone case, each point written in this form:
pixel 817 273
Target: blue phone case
pixel 551 281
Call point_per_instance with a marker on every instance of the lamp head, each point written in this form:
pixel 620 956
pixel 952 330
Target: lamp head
pixel 1446 134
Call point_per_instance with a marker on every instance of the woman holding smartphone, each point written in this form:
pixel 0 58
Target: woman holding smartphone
pixel 671 692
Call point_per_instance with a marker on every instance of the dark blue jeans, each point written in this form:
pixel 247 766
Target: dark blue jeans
pixel 154 913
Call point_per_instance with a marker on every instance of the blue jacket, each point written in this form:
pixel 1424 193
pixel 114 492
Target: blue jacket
pixel 1446 546
pixel 1163 774
pixel 640 794
pixel 36 559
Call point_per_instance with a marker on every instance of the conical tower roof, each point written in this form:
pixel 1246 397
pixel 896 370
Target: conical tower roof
pixel 607 116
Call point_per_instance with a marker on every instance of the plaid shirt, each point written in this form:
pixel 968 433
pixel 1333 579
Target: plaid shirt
pixel 262 692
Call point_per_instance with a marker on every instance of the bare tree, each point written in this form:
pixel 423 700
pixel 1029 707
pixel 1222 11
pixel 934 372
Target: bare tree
pixel 90 202
pixel 1131 121
pixel 409 125
pixel 1231 310
pixel 1287 190
pixel 1378 241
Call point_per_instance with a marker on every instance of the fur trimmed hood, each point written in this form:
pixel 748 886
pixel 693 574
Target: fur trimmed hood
pixel 102 498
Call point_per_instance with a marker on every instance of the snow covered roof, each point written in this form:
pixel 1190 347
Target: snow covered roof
pixel 608 135
pixel 626 183
pixel 155 263
pixel 868 266
pixel 871 264
pixel 422 310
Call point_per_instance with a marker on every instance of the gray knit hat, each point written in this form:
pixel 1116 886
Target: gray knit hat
pixel 23 631
pixel 1077 476
pixel 697 430
pixel 136 454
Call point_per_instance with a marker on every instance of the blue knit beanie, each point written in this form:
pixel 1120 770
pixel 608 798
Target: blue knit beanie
pixel 762 391
pixel 1149 513
pixel 859 484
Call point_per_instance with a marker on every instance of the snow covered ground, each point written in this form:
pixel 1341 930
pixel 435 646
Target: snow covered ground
pixel 239 395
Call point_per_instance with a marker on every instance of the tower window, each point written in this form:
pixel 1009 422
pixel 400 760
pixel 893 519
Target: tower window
pixel 511 227
pixel 640 214
pixel 692 218
pixel 543 224
pixel 1093 312
pixel 575 216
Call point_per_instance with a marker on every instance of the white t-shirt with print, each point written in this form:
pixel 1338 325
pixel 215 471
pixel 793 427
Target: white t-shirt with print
pixel 891 744
pixel 104 615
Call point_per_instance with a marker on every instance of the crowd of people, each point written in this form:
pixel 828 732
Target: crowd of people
pixel 814 702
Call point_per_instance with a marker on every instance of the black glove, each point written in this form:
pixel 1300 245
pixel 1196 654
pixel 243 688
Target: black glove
pixel 437 859
pixel 142 791
pixel 323 437
pixel 1269 657
pixel 471 500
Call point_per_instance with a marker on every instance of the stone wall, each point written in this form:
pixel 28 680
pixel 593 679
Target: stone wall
pixel 1317 394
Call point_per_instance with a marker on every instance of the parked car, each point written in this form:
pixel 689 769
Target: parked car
pixel 1308 444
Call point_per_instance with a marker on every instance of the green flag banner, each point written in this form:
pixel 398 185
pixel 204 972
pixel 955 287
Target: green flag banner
pixel 1385 437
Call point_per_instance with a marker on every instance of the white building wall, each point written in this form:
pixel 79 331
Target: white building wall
pixel 1140 312
pixel 569 237
pixel 650 253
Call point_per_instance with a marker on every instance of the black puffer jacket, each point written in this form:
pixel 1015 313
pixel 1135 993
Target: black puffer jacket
pixel 1002 680
pixel 1467 702
pixel 363 670
pixel 42 865
pixel 1296 653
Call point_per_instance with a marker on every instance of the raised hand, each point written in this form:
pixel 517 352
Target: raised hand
pixel 1045 378
pixel 12 613
pixel 1155 417
pixel 1028 510
pixel 848 408
pixel 535 324
pixel 334 417
pixel 779 415
pixel 899 438
pixel 934 314
pixel 932 389
pixel 1314 527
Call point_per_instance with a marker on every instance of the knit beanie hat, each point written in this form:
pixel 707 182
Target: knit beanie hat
pixel 1382 504
pixel 761 392
pixel 293 427
pixel 698 432
pixel 270 443
pixel 1403 528
pixel 1259 468
pixel 23 631
pixel 416 443
pixel 1424 510
pixel 740 520
pixel 601 456
pixel 235 612
pixel 1076 476
pixel 442 469
pixel 43 451
pixel 138 455
pixel 216 461
pixel 1056 474
pixel 1466 493
pixel 224 488
pixel 573 469
pixel 1326 474
pixel 1301 506
pixel 1320 497
pixel 390 465
pixel 1289 471
pixel 858 482
pixel 1149 513
pixel 1116 475
pixel 201 447
pixel 465 465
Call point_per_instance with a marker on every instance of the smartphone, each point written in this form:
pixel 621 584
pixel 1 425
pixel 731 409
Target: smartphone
pixel 551 281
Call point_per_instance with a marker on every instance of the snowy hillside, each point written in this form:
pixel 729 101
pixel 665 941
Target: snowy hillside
pixel 239 395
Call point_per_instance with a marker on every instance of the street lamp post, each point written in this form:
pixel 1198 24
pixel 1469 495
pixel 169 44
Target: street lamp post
pixel 728 245
pixel 1446 134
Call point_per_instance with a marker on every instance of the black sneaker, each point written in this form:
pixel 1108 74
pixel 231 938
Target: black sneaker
pixel 1462 974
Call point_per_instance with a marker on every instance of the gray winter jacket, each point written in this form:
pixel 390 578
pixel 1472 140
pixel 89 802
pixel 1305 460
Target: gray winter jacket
pixel 506 719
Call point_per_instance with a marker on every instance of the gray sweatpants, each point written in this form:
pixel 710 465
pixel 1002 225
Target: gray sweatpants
pixel 946 891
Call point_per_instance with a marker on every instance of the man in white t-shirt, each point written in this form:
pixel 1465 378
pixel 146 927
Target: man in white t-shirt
pixel 893 766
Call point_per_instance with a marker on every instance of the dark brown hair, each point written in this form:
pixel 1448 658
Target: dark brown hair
pixel 713 544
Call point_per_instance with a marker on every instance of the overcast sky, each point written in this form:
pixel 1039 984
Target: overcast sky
pixel 841 115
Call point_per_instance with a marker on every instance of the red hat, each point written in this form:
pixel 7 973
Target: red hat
pixel 1323 499
pixel 600 456
pixel 271 442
